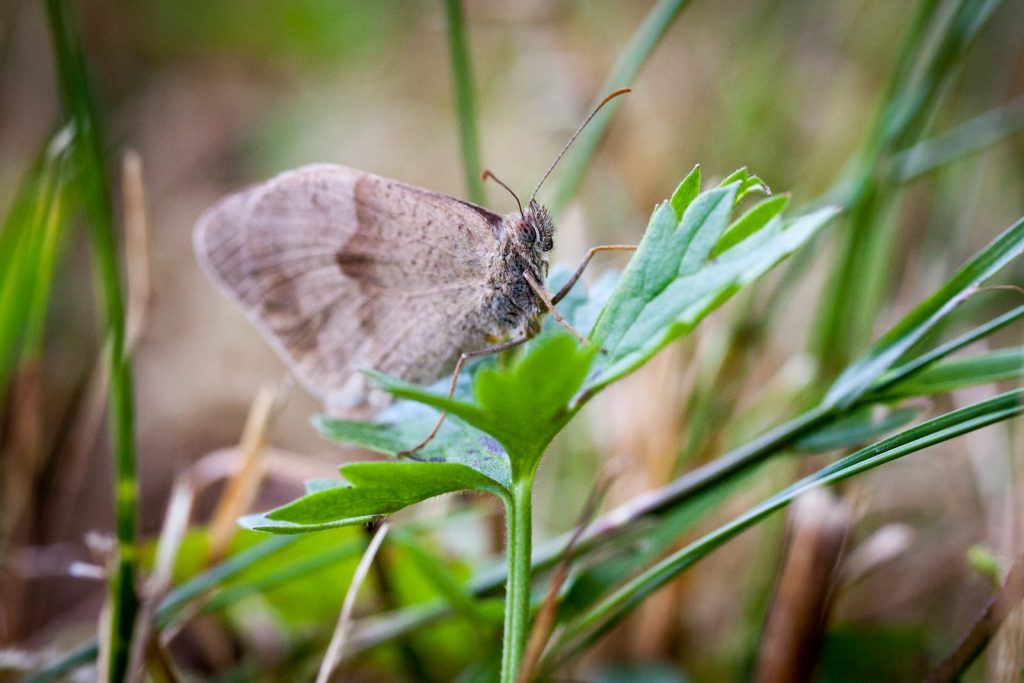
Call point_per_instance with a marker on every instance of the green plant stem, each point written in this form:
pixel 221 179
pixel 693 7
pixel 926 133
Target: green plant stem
pixel 639 49
pixel 465 105
pixel 80 109
pixel 517 587
pixel 847 312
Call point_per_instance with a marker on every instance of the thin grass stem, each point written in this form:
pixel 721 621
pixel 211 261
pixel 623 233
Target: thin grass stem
pixel 95 194
pixel 645 39
pixel 465 99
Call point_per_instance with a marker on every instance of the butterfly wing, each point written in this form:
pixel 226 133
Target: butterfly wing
pixel 343 270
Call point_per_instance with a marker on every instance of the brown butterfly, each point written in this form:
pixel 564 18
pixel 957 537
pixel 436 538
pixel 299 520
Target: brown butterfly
pixel 343 270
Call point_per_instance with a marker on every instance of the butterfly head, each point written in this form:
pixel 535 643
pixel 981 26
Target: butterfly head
pixel 534 228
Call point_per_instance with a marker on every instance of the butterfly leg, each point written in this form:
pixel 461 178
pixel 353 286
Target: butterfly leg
pixel 505 346
pixel 539 290
pixel 583 266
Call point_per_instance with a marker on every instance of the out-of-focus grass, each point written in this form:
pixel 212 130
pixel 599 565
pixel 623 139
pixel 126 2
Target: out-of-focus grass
pixel 464 88
pixel 94 193
pixel 29 244
pixel 734 82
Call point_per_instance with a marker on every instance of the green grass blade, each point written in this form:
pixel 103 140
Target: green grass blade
pixel 917 364
pixel 859 376
pixel 28 251
pixel 926 65
pixel 641 45
pixel 465 100
pixel 610 611
pixel 966 139
pixel 80 109
pixel 958 373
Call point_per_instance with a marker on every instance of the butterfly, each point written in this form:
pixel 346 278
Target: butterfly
pixel 342 270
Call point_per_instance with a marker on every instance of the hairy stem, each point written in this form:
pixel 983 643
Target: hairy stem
pixel 517 586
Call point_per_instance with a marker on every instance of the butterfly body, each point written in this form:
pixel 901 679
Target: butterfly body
pixel 343 270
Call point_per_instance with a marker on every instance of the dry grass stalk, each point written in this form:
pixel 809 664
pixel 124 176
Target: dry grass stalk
pixel 172 533
pixel 344 627
pixel 133 197
pixel 544 623
pixel 88 419
pixel 991 618
pixel 819 527
pixel 242 486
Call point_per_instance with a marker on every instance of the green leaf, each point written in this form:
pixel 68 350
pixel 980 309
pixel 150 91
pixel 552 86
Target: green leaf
pixel 670 284
pixel 376 488
pixel 406 423
pixel 686 192
pixel 860 375
pixel 30 238
pixel 750 222
pixel 958 373
pixel 522 406
pixel 747 183
pixel 582 305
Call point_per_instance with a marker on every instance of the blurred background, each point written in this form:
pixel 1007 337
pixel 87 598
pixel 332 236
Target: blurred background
pixel 215 94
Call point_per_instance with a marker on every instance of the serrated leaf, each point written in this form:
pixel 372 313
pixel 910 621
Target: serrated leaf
pixel 686 192
pixel 649 309
pixel 747 184
pixel 750 222
pixel 374 489
pixel 406 423
pixel 583 304
pixel 522 406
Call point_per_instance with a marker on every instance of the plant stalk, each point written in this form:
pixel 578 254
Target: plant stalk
pixel 80 109
pixel 518 520
pixel 465 104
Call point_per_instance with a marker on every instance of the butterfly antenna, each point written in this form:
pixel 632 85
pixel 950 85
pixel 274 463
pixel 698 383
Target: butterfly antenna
pixel 488 175
pixel 608 98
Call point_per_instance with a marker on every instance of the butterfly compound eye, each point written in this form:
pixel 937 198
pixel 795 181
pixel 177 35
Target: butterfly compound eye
pixel 526 233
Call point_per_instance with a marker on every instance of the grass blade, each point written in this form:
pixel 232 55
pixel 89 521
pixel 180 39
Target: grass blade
pixel 859 376
pixel 958 422
pixel 465 102
pixel 639 49
pixel 924 67
pixel 963 140
pixel 915 365
pixel 79 108
pixel 950 375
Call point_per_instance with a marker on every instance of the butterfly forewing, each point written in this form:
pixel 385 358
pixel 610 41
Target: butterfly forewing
pixel 344 270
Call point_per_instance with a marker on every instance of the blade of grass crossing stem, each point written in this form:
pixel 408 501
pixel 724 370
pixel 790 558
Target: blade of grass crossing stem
pixel 465 102
pixel 911 367
pixel 177 600
pixel 860 375
pixel 611 610
pixel 80 109
pixel 641 45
